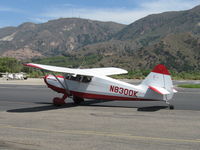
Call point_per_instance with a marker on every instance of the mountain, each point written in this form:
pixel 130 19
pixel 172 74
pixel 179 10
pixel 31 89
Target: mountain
pixel 55 37
pixel 170 38
pixel 154 27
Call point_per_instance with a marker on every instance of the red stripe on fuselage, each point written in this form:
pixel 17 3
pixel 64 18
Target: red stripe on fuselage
pixel 107 97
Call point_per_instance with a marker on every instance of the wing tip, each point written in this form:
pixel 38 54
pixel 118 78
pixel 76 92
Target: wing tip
pixel 32 65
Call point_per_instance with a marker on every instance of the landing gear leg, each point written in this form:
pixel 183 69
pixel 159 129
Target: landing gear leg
pixel 57 101
pixel 169 105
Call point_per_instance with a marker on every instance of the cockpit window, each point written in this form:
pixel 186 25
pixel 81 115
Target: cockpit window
pixel 79 78
pixel 86 79
pixel 67 76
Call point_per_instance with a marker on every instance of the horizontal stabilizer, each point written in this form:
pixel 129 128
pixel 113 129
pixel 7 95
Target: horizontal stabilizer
pixel 159 90
pixel 175 91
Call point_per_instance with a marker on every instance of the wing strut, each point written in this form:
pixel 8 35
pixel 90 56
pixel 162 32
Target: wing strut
pixel 65 87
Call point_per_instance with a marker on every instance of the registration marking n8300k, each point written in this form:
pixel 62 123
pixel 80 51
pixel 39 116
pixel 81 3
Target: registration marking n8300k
pixel 123 91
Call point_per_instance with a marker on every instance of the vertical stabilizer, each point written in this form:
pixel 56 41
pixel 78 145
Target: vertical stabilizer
pixel 160 82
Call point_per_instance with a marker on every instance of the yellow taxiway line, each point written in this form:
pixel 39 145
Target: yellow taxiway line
pixel 96 133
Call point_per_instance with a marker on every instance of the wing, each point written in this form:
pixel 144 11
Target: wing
pixel 87 72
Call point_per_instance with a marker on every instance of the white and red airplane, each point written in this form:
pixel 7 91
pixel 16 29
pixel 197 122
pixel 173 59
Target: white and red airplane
pixel 95 84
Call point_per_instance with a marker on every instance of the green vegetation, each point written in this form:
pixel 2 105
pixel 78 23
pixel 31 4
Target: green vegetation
pixel 12 65
pixel 141 74
pixel 70 61
pixel 192 75
pixel 189 85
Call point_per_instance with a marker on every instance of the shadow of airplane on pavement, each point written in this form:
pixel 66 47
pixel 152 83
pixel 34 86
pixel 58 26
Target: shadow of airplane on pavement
pixel 93 103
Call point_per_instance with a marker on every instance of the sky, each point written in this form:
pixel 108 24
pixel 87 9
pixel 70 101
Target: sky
pixel 16 12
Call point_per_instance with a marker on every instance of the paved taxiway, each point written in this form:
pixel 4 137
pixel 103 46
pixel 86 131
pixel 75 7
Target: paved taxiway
pixel 29 121
pixel 13 96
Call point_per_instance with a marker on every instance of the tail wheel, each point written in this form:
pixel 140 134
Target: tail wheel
pixel 171 107
pixel 58 101
pixel 77 100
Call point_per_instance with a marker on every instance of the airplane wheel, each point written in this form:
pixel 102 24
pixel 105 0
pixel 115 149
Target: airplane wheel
pixel 171 107
pixel 77 100
pixel 58 101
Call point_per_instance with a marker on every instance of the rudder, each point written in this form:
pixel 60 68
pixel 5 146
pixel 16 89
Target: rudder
pixel 159 80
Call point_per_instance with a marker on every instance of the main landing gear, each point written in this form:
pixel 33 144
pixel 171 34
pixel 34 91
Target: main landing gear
pixel 57 101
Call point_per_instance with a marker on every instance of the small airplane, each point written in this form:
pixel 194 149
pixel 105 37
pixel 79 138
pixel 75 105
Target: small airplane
pixel 14 76
pixel 95 83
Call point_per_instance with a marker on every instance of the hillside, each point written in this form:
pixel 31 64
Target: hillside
pixel 171 38
pixel 55 37
pixel 154 27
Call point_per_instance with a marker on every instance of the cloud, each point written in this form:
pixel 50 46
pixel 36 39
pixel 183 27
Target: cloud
pixel 9 9
pixel 120 15
pixel 38 19
pixel 116 15
pixel 5 8
pixel 169 5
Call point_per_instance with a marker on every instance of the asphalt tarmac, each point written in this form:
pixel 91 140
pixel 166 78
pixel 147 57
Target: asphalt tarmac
pixel 28 120
pixel 19 97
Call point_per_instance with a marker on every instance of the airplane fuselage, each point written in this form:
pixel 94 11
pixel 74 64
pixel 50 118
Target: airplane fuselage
pixel 97 88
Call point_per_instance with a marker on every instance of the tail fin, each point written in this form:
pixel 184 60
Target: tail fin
pixel 159 82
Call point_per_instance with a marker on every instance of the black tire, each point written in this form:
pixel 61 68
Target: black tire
pixel 171 107
pixel 77 100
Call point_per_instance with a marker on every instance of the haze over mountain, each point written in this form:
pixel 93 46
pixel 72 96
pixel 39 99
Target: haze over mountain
pixel 171 38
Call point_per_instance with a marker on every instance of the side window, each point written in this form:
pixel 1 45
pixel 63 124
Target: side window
pixel 86 79
pixel 68 76
pixel 73 78
pixel 79 78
